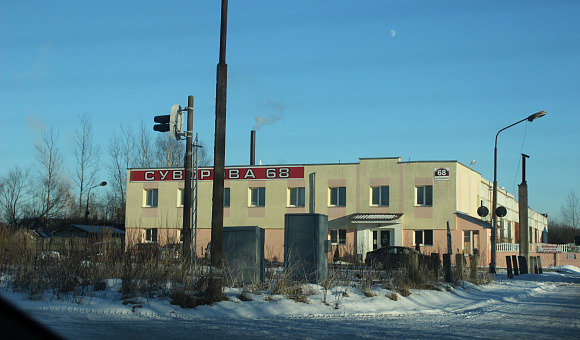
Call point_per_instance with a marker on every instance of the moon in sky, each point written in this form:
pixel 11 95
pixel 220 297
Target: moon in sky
pixel 393 33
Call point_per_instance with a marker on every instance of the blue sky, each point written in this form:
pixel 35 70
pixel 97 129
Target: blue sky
pixel 420 80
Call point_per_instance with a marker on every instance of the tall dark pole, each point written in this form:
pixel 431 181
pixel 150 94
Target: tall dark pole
pixel 524 241
pixel 102 184
pixel 493 262
pixel 187 188
pixel 214 291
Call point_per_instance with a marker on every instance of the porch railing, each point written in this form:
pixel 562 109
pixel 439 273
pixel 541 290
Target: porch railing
pixel 534 247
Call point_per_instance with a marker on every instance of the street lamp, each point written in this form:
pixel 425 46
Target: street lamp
pixel 494 203
pixel 102 184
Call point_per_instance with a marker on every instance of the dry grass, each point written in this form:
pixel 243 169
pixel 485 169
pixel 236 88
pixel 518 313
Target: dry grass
pixel 66 269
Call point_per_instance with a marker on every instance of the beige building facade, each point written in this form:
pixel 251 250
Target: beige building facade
pixel 373 203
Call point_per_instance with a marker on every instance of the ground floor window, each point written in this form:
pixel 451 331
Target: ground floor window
pixel 151 235
pixel 471 242
pixel 424 237
pixel 338 236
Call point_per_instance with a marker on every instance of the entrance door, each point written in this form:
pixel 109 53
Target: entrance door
pixel 385 238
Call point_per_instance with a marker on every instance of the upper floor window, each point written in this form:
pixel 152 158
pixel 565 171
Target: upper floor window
pixel 226 197
pixel 297 197
pixel 425 195
pixel 181 197
pixel 258 197
pixel 338 196
pixel 380 196
pixel 151 197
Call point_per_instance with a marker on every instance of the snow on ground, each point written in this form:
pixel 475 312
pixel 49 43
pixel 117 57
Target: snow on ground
pixel 449 302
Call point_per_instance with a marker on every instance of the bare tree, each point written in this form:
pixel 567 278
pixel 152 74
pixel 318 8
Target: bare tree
pixel 13 194
pixel 86 154
pixel 121 151
pixel 144 146
pixel 571 211
pixel 203 158
pixel 53 188
pixel 169 152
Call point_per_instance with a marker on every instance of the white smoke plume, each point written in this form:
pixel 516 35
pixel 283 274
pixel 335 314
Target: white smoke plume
pixel 271 118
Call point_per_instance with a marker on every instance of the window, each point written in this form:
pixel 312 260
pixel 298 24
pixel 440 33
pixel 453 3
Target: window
pixel 424 237
pixel 258 197
pixel 151 235
pixel 181 197
pixel 471 242
pixel 151 197
pixel 338 197
pixel 338 236
pixel 226 197
pixel 297 197
pixel 425 195
pixel 380 196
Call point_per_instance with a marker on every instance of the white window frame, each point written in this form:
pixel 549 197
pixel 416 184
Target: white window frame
pixel 257 197
pixel 338 194
pixel 422 237
pixel 180 197
pixel 299 197
pixel 379 190
pixel 155 199
pixel 422 198
pixel 471 235
pixel 338 237
pixel 150 235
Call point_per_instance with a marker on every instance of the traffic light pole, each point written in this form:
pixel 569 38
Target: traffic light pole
pixel 187 197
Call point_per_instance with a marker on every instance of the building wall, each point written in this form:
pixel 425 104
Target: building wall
pixel 461 190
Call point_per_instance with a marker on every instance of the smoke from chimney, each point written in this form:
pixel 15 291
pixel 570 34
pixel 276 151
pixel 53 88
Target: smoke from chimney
pixel 270 119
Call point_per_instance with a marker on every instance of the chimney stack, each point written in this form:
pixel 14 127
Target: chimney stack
pixel 253 147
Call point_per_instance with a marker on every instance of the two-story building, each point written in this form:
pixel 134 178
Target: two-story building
pixel 370 204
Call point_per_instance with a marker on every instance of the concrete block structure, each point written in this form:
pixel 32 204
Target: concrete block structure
pixel 373 203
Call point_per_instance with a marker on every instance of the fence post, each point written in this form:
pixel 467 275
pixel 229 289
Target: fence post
pixel 459 258
pixel 473 267
pixel 436 263
pixel 540 270
pixel 447 267
pixel 515 264
pixel 508 262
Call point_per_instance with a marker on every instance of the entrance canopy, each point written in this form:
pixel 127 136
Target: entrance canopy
pixel 374 218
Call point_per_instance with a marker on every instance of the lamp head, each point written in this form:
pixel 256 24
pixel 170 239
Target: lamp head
pixel 536 115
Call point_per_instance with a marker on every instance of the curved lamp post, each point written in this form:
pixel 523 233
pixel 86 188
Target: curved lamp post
pixel 102 184
pixel 492 265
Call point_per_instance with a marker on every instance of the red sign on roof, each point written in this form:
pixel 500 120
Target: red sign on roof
pixel 206 174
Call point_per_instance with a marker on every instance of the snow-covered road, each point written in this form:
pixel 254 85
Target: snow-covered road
pixel 550 315
pixel 530 306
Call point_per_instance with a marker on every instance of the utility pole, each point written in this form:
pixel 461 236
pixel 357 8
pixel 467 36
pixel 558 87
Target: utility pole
pixel 523 214
pixel 214 289
pixel 187 190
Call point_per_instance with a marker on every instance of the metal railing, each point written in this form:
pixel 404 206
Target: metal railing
pixel 534 247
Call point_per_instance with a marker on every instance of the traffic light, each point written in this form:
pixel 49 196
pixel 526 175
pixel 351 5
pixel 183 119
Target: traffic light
pixel 172 122
pixel 163 125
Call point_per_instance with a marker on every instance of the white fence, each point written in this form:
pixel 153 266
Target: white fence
pixel 534 248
